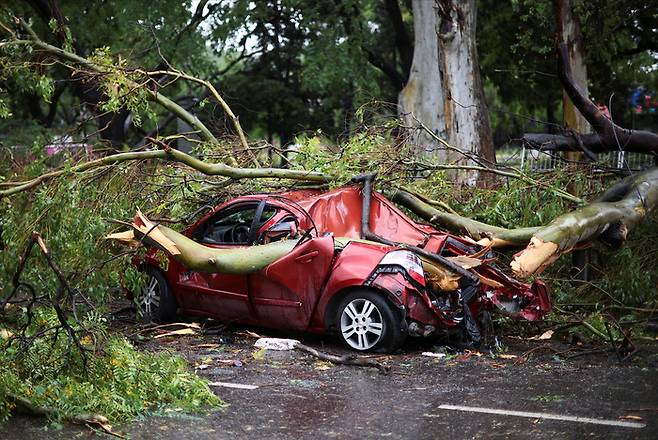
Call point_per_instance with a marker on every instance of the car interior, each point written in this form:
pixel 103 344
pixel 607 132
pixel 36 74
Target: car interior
pixel 240 225
pixel 234 226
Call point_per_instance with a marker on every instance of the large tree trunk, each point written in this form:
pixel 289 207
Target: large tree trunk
pixel 570 35
pixel 444 90
pixel 423 96
pixel 466 114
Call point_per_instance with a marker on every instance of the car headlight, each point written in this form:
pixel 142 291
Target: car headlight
pixel 408 261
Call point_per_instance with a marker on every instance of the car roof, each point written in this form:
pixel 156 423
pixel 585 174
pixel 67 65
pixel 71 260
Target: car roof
pixel 339 211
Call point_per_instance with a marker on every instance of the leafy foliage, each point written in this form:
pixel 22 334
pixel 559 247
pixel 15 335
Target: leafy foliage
pixel 120 382
pixel 72 214
pixel 364 152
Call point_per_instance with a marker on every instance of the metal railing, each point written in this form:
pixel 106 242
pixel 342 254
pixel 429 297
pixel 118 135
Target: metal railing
pixel 535 160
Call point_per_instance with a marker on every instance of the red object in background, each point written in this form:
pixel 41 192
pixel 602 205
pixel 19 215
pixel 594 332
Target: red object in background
pixel 605 110
pixel 303 289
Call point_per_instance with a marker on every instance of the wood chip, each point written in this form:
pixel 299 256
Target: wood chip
pixel 548 334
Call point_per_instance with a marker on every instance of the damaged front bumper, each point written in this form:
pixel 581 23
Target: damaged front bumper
pixel 426 311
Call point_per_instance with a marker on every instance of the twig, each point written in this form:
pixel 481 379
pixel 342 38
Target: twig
pixel 168 153
pixel 515 173
pixel 525 356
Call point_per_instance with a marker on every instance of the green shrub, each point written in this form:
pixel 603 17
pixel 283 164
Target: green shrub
pixel 119 382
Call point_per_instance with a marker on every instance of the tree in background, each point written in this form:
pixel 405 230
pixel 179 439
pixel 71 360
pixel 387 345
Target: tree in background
pixel 289 67
pixel 516 42
pixel 164 31
pixel 444 90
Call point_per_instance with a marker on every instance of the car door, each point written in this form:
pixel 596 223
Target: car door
pixel 224 296
pixel 286 292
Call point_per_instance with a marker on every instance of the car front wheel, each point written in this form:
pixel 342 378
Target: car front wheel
pixel 156 302
pixel 367 322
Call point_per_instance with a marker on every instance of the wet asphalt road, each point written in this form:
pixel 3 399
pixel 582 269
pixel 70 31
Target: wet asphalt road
pixel 301 397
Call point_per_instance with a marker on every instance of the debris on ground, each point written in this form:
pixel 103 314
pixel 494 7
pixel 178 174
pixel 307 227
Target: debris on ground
pixel 346 359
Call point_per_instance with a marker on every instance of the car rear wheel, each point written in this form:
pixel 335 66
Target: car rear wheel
pixel 156 302
pixel 367 322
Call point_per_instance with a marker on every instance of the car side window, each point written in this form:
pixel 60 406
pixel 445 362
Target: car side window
pixel 232 226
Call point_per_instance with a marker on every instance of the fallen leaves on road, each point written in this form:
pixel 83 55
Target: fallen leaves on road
pixel 322 365
pixel 259 354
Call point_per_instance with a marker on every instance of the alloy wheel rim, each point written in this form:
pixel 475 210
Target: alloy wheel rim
pixel 149 301
pixel 361 324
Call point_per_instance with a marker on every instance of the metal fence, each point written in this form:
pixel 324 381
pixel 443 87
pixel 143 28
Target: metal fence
pixel 535 160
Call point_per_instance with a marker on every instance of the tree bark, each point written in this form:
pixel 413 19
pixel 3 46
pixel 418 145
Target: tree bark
pixel 445 90
pixel 422 97
pixel 466 113
pixel 570 35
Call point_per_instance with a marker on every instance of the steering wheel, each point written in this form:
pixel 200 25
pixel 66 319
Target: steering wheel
pixel 239 233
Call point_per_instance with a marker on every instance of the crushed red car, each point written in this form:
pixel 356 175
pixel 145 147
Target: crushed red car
pixel 361 269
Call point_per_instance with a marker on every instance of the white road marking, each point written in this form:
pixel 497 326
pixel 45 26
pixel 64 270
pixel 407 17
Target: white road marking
pixel 537 415
pixel 240 386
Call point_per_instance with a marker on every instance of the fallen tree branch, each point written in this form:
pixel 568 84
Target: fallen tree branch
pixel 213 91
pixel 608 137
pixel 198 257
pixel 346 359
pixel 617 137
pixel 99 420
pixel 485 234
pixel 152 95
pixel 282 344
pixel 210 169
pixel 609 218
pixel 434 203
pixel 16 279
pixel 56 301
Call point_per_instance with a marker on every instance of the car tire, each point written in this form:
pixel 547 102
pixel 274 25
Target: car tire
pixel 155 301
pixel 366 321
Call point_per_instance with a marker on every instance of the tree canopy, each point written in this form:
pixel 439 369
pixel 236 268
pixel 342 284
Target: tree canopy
pixel 289 67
